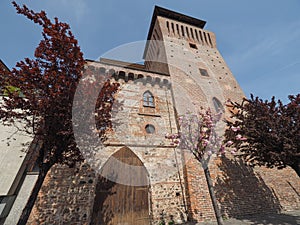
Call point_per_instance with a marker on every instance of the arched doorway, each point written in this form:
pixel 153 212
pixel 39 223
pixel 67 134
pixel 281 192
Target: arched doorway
pixel 119 203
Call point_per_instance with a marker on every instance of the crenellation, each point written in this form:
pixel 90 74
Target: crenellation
pixel 137 173
pixel 187 32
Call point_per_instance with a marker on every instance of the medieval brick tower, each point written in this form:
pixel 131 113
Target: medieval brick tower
pixel 138 177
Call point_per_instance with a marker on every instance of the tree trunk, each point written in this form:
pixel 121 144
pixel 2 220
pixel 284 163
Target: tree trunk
pixel 213 197
pixel 33 196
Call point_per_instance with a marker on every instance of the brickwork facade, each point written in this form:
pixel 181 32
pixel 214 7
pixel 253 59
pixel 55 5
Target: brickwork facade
pixel 183 70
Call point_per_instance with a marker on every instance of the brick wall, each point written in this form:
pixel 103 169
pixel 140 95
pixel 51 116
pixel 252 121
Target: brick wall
pixel 178 187
pixel 240 190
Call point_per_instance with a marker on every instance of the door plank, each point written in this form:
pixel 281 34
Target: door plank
pixel 119 204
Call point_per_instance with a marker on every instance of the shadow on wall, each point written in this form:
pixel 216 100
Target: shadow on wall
pixel 102 213
pixel 243 192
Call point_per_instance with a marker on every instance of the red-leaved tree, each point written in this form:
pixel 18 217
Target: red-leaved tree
pixel 40 93
pixel 266 133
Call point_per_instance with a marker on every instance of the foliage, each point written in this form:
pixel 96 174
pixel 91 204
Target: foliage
pixel 39 92
pixel 48 83
pixel 266 133
pixel 199 134
pixel 11 89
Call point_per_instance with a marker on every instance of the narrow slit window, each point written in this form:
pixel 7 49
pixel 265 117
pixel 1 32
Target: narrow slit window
pixel 201 36
pixel 192 33
pixel 209 40
pixel 205 38
pixel 177 27
pixel 187 31
pixel 168 26
pixel 182 31
pixel 196 35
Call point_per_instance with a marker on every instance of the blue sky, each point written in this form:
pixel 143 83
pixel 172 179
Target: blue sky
pixel 259 39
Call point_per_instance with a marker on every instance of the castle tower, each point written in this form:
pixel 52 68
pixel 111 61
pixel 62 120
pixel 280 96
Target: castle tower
pixel 181 47
pixel 183 70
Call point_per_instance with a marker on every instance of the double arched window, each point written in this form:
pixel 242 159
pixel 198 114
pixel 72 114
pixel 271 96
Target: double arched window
pixel 148 99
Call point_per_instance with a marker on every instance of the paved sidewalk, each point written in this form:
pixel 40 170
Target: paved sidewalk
pixel 284 218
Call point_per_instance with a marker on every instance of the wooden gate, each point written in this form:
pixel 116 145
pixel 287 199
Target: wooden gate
pixel 117 203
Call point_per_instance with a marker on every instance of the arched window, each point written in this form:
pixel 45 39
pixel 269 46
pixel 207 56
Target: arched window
pixel 148 99
pixel 218 105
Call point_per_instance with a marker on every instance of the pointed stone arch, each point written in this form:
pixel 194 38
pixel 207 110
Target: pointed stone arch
pixel 122 191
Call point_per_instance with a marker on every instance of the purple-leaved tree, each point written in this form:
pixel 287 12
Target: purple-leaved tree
pixel 266 133
pixel 40 93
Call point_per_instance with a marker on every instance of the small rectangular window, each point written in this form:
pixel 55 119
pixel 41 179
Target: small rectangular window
pixel 204 72
pixel 182 30
pixel 192 45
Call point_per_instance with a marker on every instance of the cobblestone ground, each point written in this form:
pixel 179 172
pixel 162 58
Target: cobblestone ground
pixel 284 218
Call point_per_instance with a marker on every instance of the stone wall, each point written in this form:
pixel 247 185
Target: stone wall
pixel 160 159
pixel 60 198
pixel 66 197
pixel 240 190
pixel 178 188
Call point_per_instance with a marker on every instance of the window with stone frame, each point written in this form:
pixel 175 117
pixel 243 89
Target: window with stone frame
pixel 148 99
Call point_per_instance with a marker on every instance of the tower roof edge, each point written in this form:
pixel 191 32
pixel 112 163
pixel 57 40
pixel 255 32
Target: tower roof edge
pixel 159 11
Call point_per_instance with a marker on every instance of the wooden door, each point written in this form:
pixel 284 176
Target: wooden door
pixel 117 203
